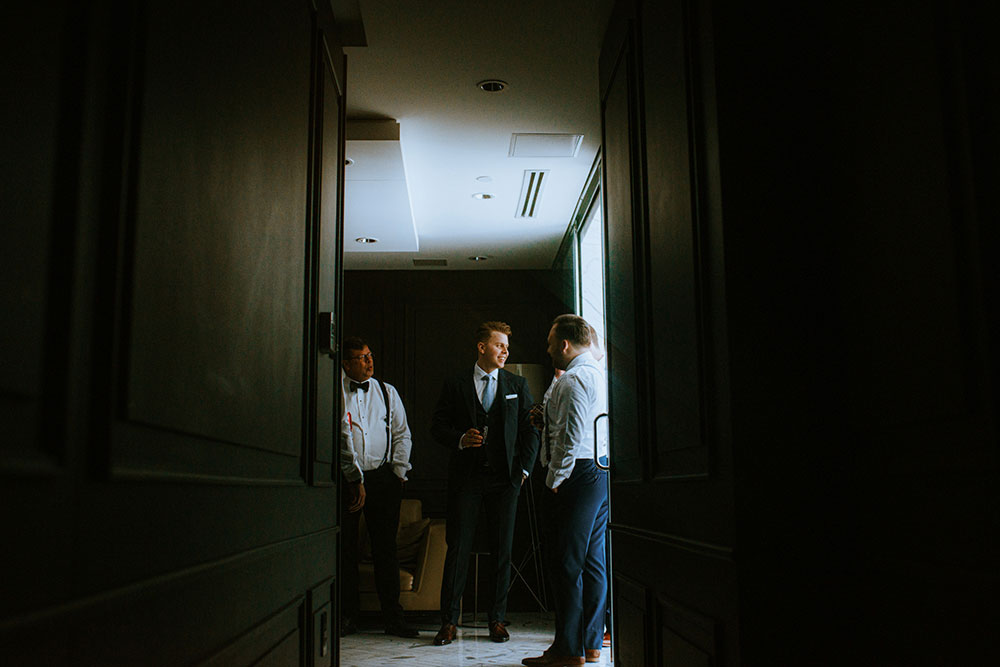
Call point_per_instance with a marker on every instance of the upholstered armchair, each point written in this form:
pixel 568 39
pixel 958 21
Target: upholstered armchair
pixel 421 549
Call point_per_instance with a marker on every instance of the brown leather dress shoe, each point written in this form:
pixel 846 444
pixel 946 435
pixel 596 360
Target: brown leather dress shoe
pixel 446 634
pixel 593 654
pixel 548 660
pixel 498 632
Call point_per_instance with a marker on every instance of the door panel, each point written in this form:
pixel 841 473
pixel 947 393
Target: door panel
pixel 170 414
pixel 39 171
pixel 619 215
pixel 816 395
pixel 33 68
pixel 218 244
pixel 675 584
pixel 329 289
pixel 672 145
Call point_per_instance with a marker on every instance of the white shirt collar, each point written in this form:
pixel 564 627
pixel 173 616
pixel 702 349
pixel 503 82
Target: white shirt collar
pixel 583 358
pixel 479 373
pixel 346 380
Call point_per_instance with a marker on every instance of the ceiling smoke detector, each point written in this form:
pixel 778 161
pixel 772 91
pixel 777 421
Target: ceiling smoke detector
pixel 492 85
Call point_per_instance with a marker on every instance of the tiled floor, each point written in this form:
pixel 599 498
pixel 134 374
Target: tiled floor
pixel 530 634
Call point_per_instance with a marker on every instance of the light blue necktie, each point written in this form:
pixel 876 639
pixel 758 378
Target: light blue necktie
pixel 489 391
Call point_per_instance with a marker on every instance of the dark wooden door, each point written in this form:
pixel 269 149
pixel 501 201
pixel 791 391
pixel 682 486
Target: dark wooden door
pixel 167 403
pixel 671 484
pixel 802 332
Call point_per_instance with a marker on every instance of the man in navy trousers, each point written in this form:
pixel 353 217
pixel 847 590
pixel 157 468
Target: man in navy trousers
pixel 579 513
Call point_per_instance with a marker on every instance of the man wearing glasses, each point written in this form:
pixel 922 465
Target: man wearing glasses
pixel 374 457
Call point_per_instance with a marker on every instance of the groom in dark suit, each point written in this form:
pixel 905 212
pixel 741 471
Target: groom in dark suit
pixel 482 419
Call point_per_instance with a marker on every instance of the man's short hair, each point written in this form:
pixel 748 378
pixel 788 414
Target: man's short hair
pixel 595 340
pixel 356 343
pixel 486 329
pixel 572 328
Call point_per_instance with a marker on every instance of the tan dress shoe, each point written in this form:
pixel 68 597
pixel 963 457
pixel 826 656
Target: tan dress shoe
pixel 445 635
pixel 593 654
pixel 498 632
pixel 549 660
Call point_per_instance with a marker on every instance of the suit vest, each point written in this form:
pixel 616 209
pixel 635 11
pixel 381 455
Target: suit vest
pixel 494 454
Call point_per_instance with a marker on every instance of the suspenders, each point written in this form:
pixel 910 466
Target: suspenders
pixel 387 457
pixel 388 416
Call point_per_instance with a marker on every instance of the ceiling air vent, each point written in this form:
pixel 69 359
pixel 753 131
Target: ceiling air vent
pixel 539 144
pixel 430 262
pixel 531 192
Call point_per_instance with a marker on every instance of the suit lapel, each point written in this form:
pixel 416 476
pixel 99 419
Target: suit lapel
pixel 508 417
pixel 501 389
pixel 469 395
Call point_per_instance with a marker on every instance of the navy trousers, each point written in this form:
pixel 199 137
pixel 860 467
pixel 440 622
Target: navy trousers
pixel 579 572
pixel 466 495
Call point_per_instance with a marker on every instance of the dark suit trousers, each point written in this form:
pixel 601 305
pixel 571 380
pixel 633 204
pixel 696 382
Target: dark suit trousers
pixel 579 517
pixel 466 494
pixel 383 493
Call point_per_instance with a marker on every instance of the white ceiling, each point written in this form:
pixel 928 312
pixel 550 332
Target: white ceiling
pixel 421 66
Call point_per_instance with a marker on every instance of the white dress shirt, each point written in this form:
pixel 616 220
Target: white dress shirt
pixel 577 398
pixel 477 381
pixel 477 377
pixel 548 392
pixel 362 430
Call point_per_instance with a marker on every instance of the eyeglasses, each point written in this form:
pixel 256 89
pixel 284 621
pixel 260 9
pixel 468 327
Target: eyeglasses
pixel 363 356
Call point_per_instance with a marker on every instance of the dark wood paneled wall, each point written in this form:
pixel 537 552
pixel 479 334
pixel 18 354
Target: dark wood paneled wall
pixel 800 208
pixel 421 326
pixel 166 496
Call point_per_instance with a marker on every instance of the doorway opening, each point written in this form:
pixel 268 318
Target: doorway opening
pixel 586 253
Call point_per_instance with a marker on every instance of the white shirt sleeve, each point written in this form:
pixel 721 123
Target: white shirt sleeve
pixel 349 463
pixel 571 405
pixel 400 432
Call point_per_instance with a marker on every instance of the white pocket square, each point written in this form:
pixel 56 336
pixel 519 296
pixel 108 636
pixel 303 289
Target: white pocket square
pixel 510 396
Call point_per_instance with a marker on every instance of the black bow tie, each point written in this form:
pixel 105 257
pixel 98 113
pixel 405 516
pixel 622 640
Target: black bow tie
pixel 363 386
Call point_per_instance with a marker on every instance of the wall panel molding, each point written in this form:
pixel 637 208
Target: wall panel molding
pixel 686 636
pixel 689 590
pixel 676 211
pixel 39 205
pixel 632 622
pixel 264 639
pixel 151 622
pixel 151 453
pixel 676 541
pixel 194 361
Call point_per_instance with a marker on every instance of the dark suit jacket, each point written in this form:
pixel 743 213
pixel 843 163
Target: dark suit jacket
pixel 456 413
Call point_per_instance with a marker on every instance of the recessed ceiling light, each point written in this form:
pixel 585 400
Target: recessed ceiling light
pixel 492 85
pixel 484 179
pixel 479 258
pixel 365 239
pixel 348 162
pixel 482 195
